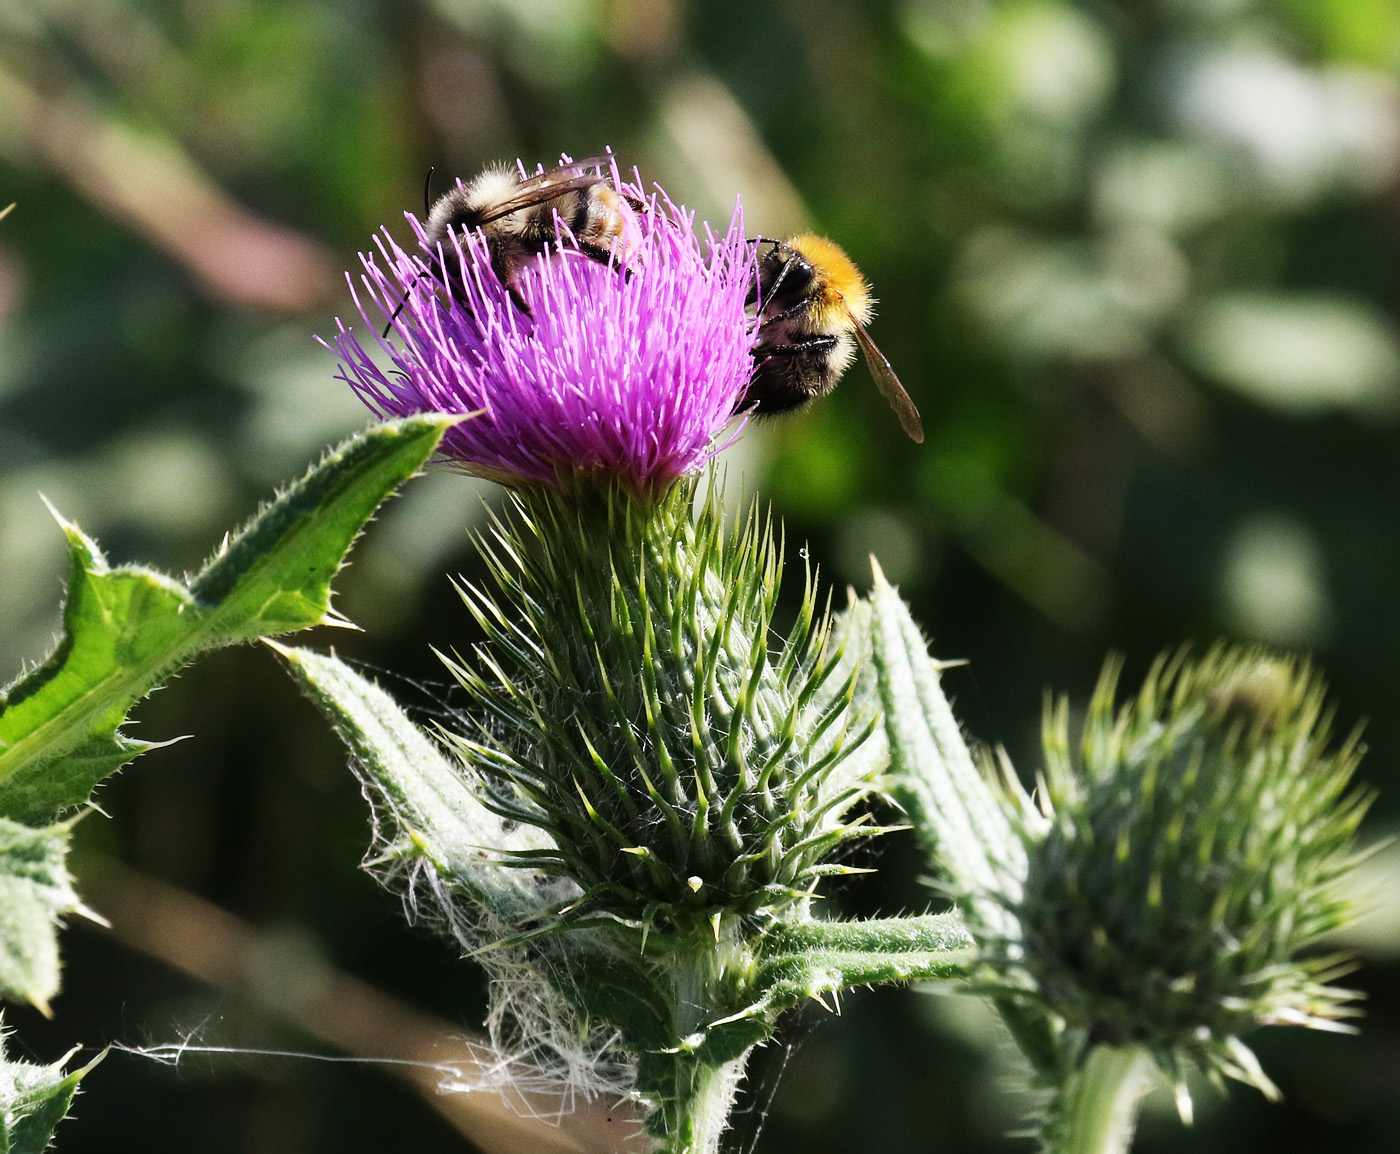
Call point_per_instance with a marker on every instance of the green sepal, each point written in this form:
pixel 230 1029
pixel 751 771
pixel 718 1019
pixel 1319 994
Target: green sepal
pixel 128 629
pixel 35 891
pixel 34 1100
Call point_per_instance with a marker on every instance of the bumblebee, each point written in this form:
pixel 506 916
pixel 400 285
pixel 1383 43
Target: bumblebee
pixel 813 306
pixel 519 217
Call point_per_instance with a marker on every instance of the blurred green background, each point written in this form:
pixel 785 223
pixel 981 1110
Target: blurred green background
pixel 1136 263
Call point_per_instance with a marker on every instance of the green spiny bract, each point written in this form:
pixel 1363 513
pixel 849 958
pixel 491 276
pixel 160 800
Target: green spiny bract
pixel 634 705
pixel 1192 851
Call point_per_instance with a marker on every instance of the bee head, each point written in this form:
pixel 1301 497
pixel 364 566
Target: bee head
pixel 785 277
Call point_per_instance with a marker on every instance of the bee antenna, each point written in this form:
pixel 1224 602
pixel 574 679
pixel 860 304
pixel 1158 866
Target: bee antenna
pixel 764 300
pixel 427 191
pixel 393 317
pixel 407 293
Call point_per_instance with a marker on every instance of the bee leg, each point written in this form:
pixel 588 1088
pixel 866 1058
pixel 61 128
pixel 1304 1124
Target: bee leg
pixel 597 252
pixel 796 310
pixel 448 281
pixel 796 348
pixel 607 256
pixel 393 316
pixel 403 302
pixel 765 299
pixel 504 264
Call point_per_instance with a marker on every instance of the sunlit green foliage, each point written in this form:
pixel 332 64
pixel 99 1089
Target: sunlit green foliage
pixel 1135 262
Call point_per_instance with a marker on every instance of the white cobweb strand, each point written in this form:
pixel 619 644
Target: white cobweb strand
pixel 543 1055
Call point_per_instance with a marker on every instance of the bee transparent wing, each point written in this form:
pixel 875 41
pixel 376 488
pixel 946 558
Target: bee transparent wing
pixel 598 162
pixel 889 386
pixel 539 190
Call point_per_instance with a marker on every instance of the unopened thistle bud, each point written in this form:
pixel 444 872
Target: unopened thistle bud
pixel 688 771
pixel 1190 859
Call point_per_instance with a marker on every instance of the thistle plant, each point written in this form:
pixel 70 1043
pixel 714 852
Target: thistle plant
pixel 1193 846
pixel 1165 890
pixel 629 823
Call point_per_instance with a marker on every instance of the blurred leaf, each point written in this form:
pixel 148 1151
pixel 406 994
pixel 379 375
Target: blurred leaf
pixel 1354 31
pixel 1300 354
pixel 35 891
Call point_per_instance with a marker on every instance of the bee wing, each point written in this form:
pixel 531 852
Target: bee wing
pixel 539 190
pixel 598 162
pixel 889 386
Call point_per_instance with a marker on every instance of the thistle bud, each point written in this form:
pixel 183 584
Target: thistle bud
pixel 1191 854
pixel 686 771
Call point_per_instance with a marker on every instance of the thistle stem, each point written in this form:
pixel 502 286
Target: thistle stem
pixel 1095 1112
pixel 694 1086
pixel 698 1115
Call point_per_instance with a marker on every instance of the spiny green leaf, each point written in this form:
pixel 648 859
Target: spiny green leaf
pixel 438 844
pixel 966 827
pixel 927 933
pixel 815 958
pixel 127 629
pixel 275 576
pixel 33 1101
pixel 74 775
pixel 427 807
pixel 58 722
pixel 951 805
pixel 35 890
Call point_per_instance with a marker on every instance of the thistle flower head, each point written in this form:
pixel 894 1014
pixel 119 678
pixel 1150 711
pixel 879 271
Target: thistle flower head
pixel 628 368
pixel 1192 851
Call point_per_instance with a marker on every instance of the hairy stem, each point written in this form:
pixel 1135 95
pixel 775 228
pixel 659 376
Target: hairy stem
pixel 698 1116
pixel 1095 1111
pixel 694 1085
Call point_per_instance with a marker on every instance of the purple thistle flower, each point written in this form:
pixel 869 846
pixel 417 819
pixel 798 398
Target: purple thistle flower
pixel 629 369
